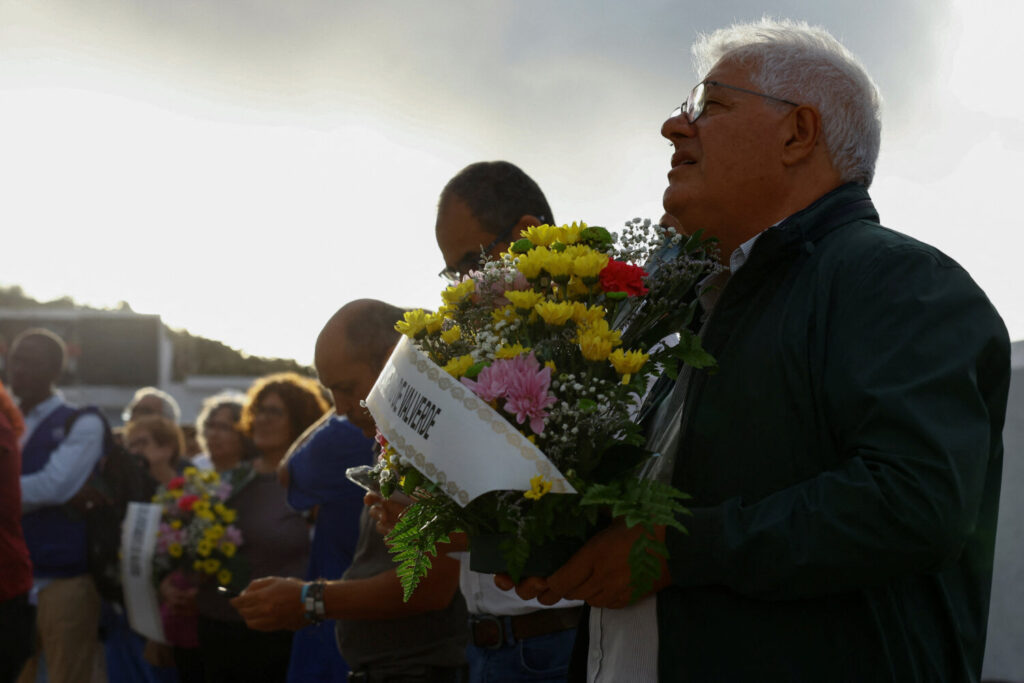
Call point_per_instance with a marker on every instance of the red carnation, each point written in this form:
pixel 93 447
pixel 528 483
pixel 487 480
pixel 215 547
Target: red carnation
pixel 186 502
pixel 176 483
pixel 623 277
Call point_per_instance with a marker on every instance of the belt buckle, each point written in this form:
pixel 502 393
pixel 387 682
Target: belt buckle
pixel 498 625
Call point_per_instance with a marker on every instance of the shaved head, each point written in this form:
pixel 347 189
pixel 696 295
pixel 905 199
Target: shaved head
pixel 352 350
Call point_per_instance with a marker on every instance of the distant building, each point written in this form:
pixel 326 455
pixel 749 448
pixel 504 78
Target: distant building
pixel 113 353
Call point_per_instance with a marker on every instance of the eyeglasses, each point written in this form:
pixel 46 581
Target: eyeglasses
pixel 453 274
pixel 693 106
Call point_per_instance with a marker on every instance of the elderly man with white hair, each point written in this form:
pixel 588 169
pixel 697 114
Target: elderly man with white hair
pixel 845 459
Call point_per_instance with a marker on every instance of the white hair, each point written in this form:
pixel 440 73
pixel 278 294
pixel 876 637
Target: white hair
pixel 806 64
pixel 168 406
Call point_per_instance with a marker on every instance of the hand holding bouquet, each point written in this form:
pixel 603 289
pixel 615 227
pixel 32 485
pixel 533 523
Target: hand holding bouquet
pixel 562 337
pixel 197 535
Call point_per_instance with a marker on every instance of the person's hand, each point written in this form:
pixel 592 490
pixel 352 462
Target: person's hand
pixel 384 511
pixel 271 604
pixel 180 599
pixel 598 573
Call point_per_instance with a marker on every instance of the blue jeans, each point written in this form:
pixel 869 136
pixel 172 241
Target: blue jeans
pixel 543 659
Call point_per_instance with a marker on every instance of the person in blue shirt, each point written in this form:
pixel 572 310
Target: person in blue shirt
pixel 314 474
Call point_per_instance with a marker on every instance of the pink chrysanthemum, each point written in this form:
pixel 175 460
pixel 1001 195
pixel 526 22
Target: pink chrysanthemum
pixel 524 385
pixel 491 383
pixel 528 395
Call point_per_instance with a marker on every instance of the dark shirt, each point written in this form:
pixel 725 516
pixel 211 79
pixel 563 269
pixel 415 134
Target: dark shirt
pixel 845 463
pixel 275 540
pixel 430 639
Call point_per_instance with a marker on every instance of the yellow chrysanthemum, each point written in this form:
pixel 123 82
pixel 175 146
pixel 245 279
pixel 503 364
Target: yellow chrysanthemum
pixel 551 364
pixel 590 264
pixel 532 263
pixel 506 313
pixel 228 548
pixel 559 266
pixel 206 514
pixel 177 493
pixel 223 577
pixel 211 565
pixel 570 234
pixel 433 322
pixel 524 300
pixel 175 550
pixel 191 471
pixel 539 487
pixel 597 340
pixel 197 565
pixel 594 347
pixel 627 362
pixel 215 531
pixel 554 312
pixel 204 548
pixel 209 477
pixel 541 235
pixel 175 524
pixel 201 506
pixel 413 323
pixel 507 351
pixel 457 367
pixel 228 516
pixel 456 293
pixel 451 335
pixel 586 316
pixel 576 289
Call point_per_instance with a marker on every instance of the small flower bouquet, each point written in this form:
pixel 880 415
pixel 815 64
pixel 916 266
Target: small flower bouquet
pixel 562 336
pixel 197 535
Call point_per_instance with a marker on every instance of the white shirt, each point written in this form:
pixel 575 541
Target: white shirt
pixel 624 642
pixel 70 464
pixel 483 597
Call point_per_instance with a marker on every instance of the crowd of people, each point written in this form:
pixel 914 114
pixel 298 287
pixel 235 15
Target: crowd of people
pixel 845 458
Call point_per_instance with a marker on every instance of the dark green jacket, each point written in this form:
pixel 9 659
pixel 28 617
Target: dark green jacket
pixel 845 464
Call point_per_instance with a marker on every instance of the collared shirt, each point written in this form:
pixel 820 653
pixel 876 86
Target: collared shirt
pixel 624 642
pixel 70 464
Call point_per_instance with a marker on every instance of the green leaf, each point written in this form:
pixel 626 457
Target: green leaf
pixel 413 478
pixel 521 246
pixel 414 540
pixel 586 405
pixel 475 369
pixel 596 234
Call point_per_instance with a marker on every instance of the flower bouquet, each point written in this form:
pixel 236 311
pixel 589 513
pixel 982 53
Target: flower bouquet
pixel 561 337
pixel 197 536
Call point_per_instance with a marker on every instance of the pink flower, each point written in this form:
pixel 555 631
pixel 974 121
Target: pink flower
pixel 522 383
pixel 528 395
pixel 233 535
pixel 491 383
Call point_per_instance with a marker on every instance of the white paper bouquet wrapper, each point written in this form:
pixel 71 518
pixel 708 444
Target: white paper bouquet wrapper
pixel 449 434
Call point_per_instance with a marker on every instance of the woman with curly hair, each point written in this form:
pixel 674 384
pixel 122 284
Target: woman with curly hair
pixel 278 408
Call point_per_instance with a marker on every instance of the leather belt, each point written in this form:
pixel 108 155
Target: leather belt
pixel 493 631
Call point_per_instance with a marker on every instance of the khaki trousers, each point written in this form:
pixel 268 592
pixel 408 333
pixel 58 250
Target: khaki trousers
pixel 67 621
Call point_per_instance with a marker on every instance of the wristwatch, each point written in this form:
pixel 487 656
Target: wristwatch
pixel 313 601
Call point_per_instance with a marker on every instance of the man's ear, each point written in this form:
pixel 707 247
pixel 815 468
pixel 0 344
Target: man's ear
pixel 803 133
pixel 525 221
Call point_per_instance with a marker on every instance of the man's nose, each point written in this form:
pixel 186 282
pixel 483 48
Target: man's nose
pixel 677 127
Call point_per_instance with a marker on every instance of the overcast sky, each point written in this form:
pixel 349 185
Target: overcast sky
pixel 244 168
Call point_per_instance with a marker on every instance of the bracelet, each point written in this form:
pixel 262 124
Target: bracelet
pixel 313 601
